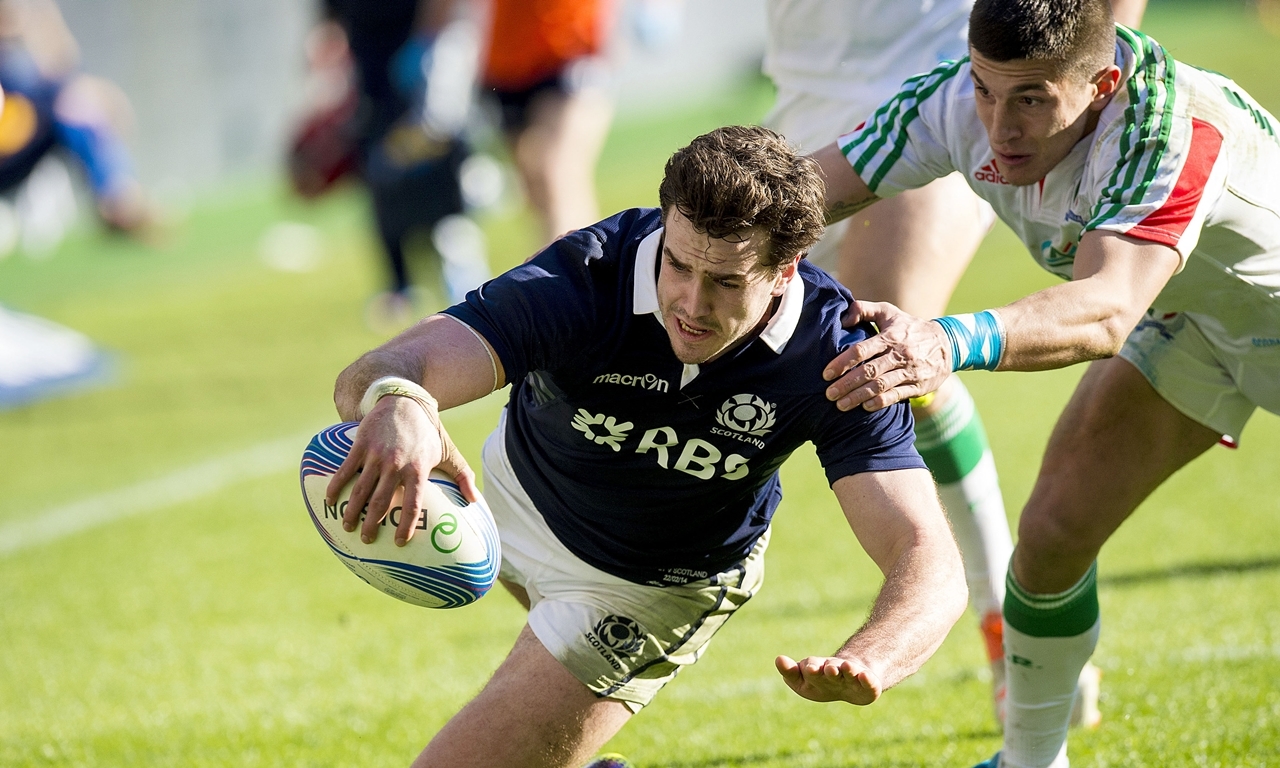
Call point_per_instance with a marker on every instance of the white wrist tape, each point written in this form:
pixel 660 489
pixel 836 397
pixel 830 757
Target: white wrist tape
pixel 394 385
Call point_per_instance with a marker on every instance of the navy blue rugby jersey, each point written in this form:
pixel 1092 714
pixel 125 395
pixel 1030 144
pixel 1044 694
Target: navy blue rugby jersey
pixel 647 468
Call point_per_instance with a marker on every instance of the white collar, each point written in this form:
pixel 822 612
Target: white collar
pixel 644 298
pixel 644 295
pixel 782 326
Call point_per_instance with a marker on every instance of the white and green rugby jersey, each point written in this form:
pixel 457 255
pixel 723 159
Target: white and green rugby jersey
pixel 1181 157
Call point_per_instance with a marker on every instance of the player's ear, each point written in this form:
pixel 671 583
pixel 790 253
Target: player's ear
pixel 785 275
pixel 1105 85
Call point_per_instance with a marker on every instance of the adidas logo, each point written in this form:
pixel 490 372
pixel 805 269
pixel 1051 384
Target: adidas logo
pixel 990 174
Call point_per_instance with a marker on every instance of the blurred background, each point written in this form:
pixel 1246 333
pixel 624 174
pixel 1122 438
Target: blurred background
pixel 216 85
pixel 169 340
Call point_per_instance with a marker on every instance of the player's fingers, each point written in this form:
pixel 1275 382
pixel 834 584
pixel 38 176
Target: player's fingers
pixel 838 365
pixel 791 675
pixel 890 388
pixel 872 685
pixel 905 383
pixel 852 316
pixel 853 355
pixel 878 384
pixel 786 665
pixel 452 462
pixel 876 312
pixel 347 470
pixel 411 511
pixel 363 486
pixel 378 506
pixel 455 465
pixel 847 367
pixel 467 484
pixel 812 666
pixel 880 402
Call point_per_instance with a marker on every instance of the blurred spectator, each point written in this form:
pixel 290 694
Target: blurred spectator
pixel 392 83
pixel 544 63
pixel 52 110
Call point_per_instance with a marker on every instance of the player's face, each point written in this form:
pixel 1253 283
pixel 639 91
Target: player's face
pixel 1034 115
pixel 713 293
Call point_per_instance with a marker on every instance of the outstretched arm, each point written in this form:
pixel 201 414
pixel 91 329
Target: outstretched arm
pixel 899 522
pixel 401 439
pixel 452 362
pixel 1116 280
pixel 847 193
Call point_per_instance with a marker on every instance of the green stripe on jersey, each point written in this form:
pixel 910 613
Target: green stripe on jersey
pixel 1168 79
pixel 1151 90
pixel 887 125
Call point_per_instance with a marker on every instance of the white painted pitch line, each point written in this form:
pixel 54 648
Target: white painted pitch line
pixel 187 484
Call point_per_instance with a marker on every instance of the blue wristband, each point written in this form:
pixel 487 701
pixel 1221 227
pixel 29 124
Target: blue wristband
pixel 977 341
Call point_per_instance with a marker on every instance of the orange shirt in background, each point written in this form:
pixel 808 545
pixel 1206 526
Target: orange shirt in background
pixel 531 40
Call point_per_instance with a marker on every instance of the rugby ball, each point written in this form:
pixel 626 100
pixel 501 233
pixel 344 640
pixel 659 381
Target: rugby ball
pixel 453 557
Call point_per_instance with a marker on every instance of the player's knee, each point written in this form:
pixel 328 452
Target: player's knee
pixel 1053 528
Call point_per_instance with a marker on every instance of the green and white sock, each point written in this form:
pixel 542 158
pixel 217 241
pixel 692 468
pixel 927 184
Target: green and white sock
pixel 1047 641
pixel 954 445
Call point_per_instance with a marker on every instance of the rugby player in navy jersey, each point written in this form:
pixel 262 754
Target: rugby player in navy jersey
pixel 663 364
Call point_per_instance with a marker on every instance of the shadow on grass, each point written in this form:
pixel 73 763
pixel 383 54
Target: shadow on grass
pixel 795 606
pixel 1189 571
pixel 871 747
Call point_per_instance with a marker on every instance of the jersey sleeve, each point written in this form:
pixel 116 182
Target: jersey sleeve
pixel 545 310
pixel 856 441
pixel 902 145
pixel 1157 171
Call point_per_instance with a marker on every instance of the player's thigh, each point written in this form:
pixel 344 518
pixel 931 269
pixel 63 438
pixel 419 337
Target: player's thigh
pixel 532 714
pixel 912 249
pixel 1116 441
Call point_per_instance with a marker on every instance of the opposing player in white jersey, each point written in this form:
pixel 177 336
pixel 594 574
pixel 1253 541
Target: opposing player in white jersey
pixel 1150 185
pixel 834 62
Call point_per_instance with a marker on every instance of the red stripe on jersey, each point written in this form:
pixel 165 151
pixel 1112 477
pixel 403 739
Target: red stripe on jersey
pixel 1167 223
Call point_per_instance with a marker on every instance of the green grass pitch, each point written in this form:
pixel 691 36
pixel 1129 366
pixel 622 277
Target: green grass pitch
pixel 217 631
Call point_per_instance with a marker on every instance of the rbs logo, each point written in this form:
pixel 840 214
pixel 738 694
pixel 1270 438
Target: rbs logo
pixel 698 457
pixel 694 457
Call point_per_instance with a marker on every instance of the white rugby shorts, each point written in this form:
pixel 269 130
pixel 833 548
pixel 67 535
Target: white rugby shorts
pixel 623 640
pixel 1204 372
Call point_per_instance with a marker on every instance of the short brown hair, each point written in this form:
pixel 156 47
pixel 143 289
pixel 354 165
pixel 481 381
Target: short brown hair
pixel 741 178
pixel 1079 35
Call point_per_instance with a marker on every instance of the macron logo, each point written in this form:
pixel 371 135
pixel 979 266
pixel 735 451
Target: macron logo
pixel 990 174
